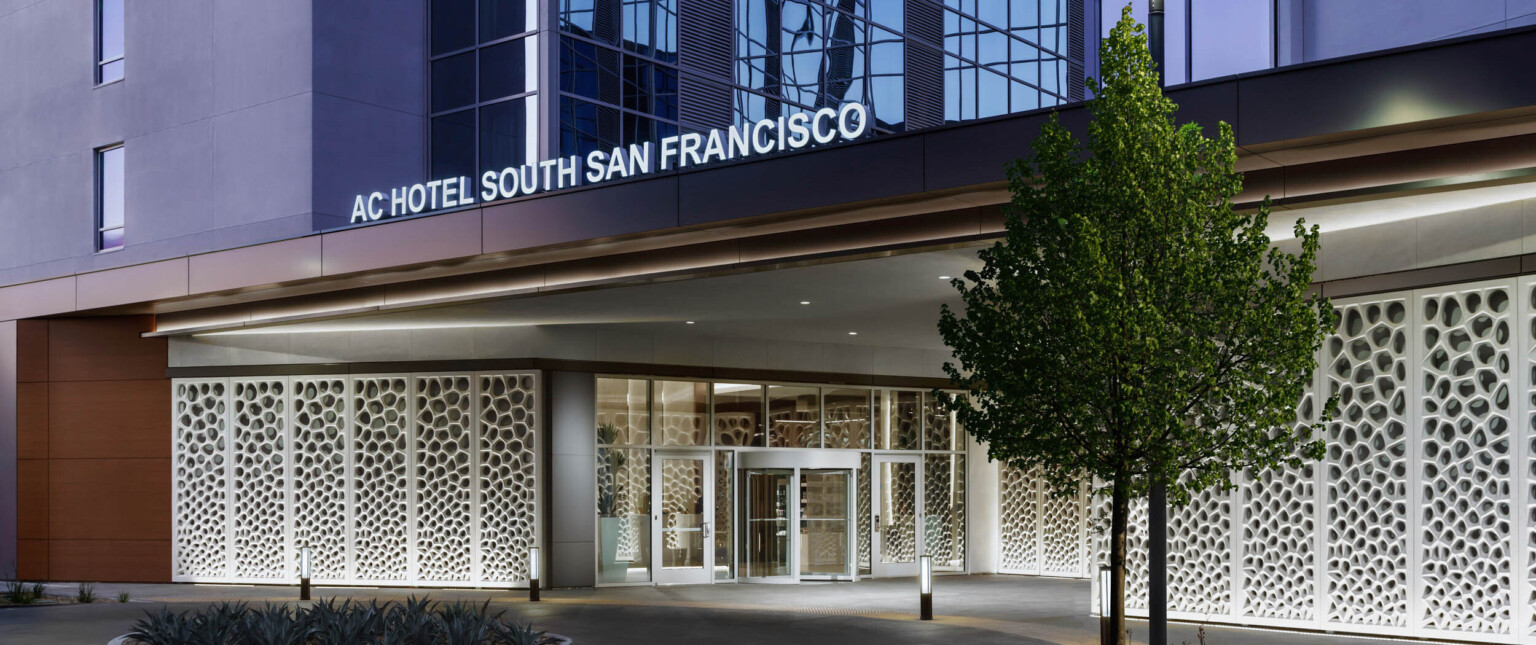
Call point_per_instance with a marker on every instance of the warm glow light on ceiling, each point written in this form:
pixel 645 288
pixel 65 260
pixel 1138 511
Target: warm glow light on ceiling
pixel 323 328
pixel 1340 217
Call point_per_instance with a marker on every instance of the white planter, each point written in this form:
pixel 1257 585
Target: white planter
pixel 609 569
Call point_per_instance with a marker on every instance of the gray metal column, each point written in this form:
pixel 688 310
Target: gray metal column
pixel 572 479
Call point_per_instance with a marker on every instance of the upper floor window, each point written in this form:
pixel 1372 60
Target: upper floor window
pixel 109 41
pixel 484 78
pixel 109 198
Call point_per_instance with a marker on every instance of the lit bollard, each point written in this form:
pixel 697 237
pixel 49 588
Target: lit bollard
pixel 533 574
pixel 1106 629
pixel 925 587
pixel 304 573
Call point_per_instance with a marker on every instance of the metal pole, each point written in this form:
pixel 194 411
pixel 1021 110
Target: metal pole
pixel 1157 506
pixel 1155 37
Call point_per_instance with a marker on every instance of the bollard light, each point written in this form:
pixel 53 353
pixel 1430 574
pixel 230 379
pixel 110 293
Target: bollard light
pixel 533 574
pixel 1106 632
pixel 925 586
pixel 303 573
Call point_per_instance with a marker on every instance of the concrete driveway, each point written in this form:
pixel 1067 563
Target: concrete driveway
pixel 981 610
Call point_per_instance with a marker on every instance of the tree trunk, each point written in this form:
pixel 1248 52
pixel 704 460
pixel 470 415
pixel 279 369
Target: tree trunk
pixel 1120 512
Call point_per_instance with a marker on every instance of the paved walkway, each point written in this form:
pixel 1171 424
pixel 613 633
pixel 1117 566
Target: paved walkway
pixel 979 610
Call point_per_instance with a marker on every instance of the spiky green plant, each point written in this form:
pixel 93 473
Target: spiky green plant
pixel 273 625
pixel 466 624
pixel 411 623
pixel 85 593
pixel 346 624
pixel 163 627
pixel 518 634
pixel 17 592
pixel 218 623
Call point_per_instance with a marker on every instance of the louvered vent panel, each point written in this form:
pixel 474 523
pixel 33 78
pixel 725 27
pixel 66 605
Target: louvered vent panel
pixel 704 37
pixel 608 125
pixel 707 56
pixel 606 20
pixel 704 104
pixel 924 64
pixel 1075 52
pixel 608 61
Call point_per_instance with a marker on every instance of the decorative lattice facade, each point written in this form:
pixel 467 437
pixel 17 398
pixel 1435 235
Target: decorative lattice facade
pixel 387 479
pixel 1415 522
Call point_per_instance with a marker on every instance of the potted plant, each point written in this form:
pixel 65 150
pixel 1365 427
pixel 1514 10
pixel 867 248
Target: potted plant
pixel 610 520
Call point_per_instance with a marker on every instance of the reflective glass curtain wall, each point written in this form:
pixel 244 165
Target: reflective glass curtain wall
pixel 998 56
pixel 1004 56
pixel 618 73
pixel 484 76
pixel 622 75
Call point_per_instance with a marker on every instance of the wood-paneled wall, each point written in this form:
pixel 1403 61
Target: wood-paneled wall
pixel 93 449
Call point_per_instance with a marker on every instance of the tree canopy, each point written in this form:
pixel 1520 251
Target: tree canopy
pixel 1132 326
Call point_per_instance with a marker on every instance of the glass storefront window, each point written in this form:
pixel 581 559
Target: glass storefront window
pixel 903 422
pixel 623 412
pixel 862 504
pixel 682 413
pixel 747 511
pixel 738 414
pixel 725 494
pixel 944 510
pixel 624 515
pixel 848 417
pixel 794 416
pixel 938 425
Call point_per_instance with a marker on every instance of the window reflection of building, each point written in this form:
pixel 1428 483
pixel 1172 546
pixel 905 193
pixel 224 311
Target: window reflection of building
pixel 618 75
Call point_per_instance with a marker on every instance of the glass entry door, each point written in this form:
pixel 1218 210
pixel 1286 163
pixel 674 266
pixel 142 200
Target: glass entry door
pixel 769 509
pixel 897 503
pixel 684 489
pixel 826 518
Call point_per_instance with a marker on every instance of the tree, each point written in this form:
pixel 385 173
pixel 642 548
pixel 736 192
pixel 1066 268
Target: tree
pixel 1132 327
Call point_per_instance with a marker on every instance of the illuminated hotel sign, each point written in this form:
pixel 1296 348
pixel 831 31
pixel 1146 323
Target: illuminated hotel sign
pixel 763 137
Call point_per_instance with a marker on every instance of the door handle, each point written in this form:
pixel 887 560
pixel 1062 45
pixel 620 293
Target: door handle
pixel 877 522
pixel 706 529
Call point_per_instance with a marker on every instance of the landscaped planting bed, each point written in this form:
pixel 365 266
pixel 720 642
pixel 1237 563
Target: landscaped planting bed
pixel 413 622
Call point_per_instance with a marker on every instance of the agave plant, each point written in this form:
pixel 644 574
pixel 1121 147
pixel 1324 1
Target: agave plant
pixel 164 627
pixel 86 593
pixel 465 624
pixel 346 624
pixel 514 634
pixel 217 624
pixel 411 623
pixel 273 625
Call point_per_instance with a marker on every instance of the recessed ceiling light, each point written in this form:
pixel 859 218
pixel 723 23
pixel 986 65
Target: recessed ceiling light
pixel 805 302
pixel 853 333
pixel 943 277
pixel 690 322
